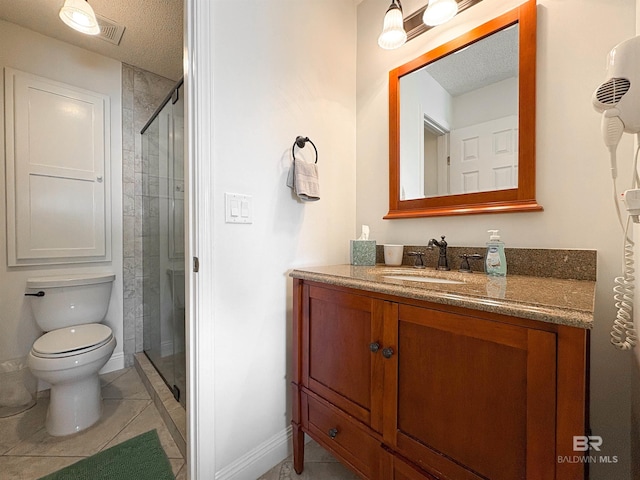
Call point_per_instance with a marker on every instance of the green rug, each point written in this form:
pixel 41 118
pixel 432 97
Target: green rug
pixel 139 458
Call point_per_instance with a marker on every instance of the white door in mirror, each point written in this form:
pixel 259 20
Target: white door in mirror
pixel 484 156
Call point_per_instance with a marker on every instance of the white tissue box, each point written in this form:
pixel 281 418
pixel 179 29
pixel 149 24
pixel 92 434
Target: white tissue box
pixel 363 252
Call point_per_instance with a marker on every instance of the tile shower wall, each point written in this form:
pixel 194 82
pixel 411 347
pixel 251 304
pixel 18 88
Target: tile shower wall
pixel 142 93
pixel 151 236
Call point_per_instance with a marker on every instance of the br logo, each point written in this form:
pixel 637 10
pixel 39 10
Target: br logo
pixel 583 443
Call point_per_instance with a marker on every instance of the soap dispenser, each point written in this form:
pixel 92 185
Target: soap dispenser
pixel 495 261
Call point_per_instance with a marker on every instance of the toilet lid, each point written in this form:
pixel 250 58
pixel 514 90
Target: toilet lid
pixel 72 340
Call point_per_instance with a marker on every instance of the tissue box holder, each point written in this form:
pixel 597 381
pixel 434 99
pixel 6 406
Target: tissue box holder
pixel 363 252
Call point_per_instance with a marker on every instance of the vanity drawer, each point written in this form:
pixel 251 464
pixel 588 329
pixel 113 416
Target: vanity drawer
pixel 404 471
pixel 345 437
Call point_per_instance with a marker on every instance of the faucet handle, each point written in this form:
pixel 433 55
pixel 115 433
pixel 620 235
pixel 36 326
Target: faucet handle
pixel 464 265
pixel 419 263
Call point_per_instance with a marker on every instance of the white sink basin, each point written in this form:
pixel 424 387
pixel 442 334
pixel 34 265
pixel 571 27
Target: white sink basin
pixel 420 278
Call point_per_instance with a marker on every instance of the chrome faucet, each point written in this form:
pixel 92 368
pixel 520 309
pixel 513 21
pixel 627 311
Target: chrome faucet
pixel 443 264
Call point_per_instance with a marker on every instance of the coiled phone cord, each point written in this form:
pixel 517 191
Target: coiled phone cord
pixel 623 333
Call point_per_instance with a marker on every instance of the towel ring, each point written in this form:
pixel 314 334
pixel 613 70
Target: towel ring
pixel 300 142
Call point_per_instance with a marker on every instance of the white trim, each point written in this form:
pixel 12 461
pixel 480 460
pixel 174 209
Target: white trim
pixel 200 290
pixel 166 348
pixel 259 460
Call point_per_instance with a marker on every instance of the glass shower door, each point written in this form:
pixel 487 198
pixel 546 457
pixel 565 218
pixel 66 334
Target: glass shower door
pixel 163 243
pixel 176 242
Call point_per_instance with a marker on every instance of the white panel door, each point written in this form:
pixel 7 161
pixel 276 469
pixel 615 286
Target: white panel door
pixel 484 156
pixel 57 171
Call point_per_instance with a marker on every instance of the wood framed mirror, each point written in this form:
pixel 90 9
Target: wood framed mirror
pixel 438 166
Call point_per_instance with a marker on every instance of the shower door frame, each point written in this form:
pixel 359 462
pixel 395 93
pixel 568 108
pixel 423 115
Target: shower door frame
pixel 164 120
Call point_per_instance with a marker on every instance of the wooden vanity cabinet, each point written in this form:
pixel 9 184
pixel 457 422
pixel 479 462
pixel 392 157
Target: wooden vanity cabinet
pixel 409 390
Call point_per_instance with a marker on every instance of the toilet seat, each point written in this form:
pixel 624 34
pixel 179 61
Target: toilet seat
pixel 71 341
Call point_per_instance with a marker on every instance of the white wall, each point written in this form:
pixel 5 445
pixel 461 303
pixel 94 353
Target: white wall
pixel 635 375
pixel 420 94
pixel 572 170
pixel 281 69
pixel 494 101
pixel 30 52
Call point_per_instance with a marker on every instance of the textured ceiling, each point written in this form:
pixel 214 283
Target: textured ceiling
pixel 485 62
pixel 152 39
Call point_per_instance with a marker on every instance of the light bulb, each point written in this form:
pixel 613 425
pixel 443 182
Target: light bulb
pixel 81 19
pixel 79 15
pixel 439 12
pixel 393 34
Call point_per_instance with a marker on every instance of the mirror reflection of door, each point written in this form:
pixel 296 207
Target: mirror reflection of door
pixel 459 121
pixel 484 156
pixel 436 150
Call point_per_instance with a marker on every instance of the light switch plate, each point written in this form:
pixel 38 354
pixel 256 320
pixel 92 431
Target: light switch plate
pixel 238 208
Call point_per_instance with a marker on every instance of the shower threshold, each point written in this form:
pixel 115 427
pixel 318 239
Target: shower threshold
pixel 172 412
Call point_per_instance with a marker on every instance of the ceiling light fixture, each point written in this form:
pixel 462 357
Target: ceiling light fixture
pixel 393 34
pixel 79 15
pixel 439 12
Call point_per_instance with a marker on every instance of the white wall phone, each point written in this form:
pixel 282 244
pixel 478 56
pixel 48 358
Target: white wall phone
pixel 618 99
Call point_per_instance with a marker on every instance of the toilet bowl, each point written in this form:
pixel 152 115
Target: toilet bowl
pixel 75 347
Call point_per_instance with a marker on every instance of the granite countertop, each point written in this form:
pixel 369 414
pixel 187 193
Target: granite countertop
pixel 561 301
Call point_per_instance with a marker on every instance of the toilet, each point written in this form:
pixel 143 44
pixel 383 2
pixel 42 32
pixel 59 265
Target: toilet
pixel 69 308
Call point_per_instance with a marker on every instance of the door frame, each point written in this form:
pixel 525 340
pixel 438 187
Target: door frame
pixel 199 202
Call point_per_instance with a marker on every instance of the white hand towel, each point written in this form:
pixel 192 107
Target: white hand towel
pixel 303 178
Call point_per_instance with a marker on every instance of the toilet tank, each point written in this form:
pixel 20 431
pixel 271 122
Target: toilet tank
pixel 70 300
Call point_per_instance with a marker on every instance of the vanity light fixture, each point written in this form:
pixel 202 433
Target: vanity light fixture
pixel 79 15
pixel 439 12
pixel 398 30
pixel 393 34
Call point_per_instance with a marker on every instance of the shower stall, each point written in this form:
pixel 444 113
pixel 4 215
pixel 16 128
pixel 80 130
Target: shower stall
pixel 163 252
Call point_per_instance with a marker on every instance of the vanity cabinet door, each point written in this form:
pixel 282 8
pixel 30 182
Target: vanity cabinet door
pixel 340 335
pixel 470 398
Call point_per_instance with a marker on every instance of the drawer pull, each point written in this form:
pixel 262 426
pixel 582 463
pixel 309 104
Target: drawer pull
pixel 333 432
pixel 387 352
pixel 374 347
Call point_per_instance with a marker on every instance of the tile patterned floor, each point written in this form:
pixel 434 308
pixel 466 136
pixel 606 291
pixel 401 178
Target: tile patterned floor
pixel 318 465
pixel 28 452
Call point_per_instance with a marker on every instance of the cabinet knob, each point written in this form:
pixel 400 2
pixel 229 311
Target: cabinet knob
pixel 374 347
pixel 387 352
pixel 333 432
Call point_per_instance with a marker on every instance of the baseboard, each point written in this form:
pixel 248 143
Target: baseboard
pixel 166 348
pixel 116 362
pixel 259 460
